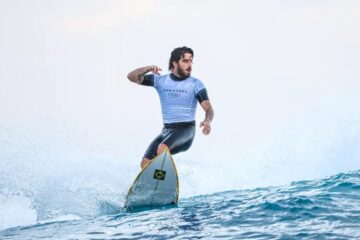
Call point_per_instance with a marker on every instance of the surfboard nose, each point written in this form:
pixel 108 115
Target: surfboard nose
pixel 156 185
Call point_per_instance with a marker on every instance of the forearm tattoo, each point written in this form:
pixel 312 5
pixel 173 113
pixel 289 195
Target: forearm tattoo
pixel 137 76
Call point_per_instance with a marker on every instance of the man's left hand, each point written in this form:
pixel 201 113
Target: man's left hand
pixel 206 127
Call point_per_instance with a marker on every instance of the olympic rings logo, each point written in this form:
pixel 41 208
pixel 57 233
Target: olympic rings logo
pixel 174 94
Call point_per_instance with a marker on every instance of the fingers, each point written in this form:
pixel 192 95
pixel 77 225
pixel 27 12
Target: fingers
pixel 206 128
pixel 155 69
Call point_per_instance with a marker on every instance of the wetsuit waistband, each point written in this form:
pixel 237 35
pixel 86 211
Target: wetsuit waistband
pixel 179 124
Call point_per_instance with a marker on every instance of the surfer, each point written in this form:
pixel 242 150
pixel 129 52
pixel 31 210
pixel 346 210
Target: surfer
pixel 179 93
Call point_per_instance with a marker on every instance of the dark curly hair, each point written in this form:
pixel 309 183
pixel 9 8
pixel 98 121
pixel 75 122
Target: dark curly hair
pixel 177 53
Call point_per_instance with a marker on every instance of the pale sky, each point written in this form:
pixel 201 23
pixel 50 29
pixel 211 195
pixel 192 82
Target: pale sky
pixel 283 77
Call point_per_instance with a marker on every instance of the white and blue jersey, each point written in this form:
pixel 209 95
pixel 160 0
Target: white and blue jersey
pixel 178 97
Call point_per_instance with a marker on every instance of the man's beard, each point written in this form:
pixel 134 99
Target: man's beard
pixel 182 73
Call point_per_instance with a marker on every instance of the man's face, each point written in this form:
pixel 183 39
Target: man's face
pixel 183 67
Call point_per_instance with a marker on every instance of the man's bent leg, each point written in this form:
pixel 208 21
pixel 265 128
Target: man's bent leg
pixel 144 162
pixel 151 151
pixel 179 141
pixel 161 148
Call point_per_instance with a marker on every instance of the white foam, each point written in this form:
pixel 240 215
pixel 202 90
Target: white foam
pixel 15 211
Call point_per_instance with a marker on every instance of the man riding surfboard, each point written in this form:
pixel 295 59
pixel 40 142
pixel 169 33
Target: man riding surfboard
pixel 179 93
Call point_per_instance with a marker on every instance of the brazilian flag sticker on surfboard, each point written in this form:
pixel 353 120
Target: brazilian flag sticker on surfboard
pixel 156 185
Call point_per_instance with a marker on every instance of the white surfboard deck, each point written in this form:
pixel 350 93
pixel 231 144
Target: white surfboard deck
pixel 156 185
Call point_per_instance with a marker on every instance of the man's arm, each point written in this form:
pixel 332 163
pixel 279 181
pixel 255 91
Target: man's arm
pixel 209 116
pixel 137 76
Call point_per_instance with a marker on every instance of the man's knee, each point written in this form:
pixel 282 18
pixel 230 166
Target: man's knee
pixel 144 162
pixel 161 148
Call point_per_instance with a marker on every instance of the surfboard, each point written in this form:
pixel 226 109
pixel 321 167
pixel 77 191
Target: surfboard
pixel 156 185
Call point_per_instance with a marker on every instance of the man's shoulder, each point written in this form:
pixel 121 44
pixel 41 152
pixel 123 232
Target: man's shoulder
pixel 161 77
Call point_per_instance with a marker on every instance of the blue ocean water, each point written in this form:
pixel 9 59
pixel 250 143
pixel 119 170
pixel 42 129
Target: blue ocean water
pixel 318 209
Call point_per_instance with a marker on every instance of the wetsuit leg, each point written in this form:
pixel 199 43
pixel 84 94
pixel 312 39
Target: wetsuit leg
pixel 177 139
pixel 180 139
pixel 151 150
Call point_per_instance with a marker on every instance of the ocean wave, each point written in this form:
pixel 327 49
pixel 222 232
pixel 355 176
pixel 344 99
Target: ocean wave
pixel 320 209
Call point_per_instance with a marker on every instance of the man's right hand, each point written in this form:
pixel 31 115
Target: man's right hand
pixel 154 69
pixel 137 75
